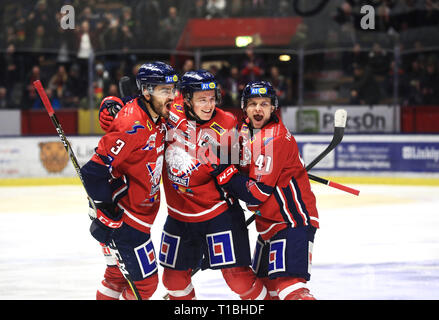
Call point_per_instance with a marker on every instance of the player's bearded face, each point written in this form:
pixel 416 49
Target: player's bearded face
pixel 203 104
pixel 259 111
pixel 162 98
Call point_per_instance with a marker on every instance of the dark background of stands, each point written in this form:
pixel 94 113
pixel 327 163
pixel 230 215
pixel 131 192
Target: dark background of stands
pixel 333 61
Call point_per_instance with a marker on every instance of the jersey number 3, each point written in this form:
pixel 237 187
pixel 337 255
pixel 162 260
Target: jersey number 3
pixel 119 145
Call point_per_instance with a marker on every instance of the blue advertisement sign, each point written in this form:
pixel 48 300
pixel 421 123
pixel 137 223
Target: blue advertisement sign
pixel 378 156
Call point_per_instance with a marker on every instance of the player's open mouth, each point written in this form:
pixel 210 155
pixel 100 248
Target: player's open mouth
pixel 207 111
pixel 258 117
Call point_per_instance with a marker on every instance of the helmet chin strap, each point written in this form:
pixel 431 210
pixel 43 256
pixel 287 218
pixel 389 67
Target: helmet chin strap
pixel 191 113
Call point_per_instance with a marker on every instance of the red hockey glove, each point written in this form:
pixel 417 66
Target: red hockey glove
pixel 108 109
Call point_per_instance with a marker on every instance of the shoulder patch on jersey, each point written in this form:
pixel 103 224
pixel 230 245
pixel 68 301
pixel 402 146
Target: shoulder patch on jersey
pixel 148 124
pixel 217 128
pixel 179 107
pixel 136 126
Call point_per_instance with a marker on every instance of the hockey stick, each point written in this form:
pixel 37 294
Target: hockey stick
pixel 40 90
pixel 340 117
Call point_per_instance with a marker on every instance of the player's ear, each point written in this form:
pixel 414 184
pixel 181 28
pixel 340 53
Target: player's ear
pixel 146 94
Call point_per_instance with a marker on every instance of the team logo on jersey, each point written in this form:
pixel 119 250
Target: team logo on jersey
pixel 146 258
pixel 217 128
pixel 276 258
pixel 150 144
pixel 169 249
pixel 179 108
pixel 136 126
pixel 180 165
pixel 221 250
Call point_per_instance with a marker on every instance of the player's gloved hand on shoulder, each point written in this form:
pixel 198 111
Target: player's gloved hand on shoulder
pixel 108 219
pixel 223 172
pixel 220 168
pixel 108 109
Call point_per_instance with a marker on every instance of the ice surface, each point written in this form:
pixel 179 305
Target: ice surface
pixel 383 244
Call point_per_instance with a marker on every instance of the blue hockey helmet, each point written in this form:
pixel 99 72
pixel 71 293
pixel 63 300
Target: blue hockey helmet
pixel 259 89
pixel 155 73
pixel 200 80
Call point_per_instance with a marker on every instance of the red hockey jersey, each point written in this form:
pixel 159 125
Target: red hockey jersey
pixel 133 148
pixel 191 192
pixel 277 180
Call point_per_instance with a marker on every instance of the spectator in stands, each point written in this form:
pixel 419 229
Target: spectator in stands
pixel 188 65
pixel 379 60
pixel 54 101
pixel 171 28
pixel 58 82
pixel 364 89
pixel 29 95
pixel 233 86
pixel 198 9
pixel 414 95
pixel 252 69
pixel 279 84
pixel 4 101
pixel 75 88
pixel 429 84
pixel 354 57
pixel 216 9
pixel 85 42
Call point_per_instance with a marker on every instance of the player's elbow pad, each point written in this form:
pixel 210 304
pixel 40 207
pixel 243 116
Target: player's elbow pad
pixel 96 180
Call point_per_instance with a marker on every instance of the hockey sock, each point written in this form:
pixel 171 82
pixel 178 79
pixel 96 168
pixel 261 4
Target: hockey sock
pixel 243 281
pixel 179 284
pixel 112 285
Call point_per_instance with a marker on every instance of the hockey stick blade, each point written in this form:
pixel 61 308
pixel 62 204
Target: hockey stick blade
pixel 340 117
pixel 124 86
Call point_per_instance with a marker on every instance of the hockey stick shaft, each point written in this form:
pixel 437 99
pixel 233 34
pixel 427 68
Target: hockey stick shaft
pixel 334 184
pixel 46 102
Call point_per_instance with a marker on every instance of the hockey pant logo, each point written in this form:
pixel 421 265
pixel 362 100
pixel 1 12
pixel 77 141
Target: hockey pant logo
pixel 276 256
pixel 146 258
pixel 169 249
pixel 220 246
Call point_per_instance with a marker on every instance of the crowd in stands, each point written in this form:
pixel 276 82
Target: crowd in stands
pixel 33 45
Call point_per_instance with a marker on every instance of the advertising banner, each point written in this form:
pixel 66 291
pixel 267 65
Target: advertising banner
pixel 375 153
pixel 42 156
pixel 361 119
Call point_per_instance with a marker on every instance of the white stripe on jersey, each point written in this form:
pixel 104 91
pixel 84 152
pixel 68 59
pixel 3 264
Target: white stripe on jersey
pixel 202 213
pixel 299 207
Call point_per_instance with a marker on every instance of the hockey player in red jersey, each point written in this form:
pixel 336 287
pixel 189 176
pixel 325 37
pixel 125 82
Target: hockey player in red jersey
pixel 204 227
pixel 123 179
pixel 273 182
